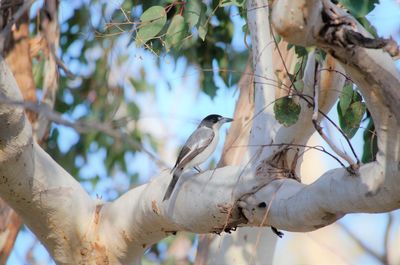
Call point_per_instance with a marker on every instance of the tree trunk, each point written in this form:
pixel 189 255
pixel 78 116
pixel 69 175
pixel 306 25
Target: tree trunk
pixel 17 56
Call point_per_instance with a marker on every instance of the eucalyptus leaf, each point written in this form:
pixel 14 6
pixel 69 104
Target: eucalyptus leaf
pixel 209 86
pixel 359 8
pixel 238 3
pixel 202 26
pixel 346 97
pixel 152 22
pixel 299 85
pixel 192 12
pixel 350 120
pixel 370 142
pixel 286 111
pixel 176 32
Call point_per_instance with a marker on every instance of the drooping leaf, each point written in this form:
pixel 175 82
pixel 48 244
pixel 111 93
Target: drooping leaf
pixel 133 110
pixel 300 51
pixel 359 8
pixel 202 26
pixel 370 142
pixel 238 3
pixel 346 97
pixel 356 96
pixel 176 32
pixel 368 26
pixel 299 85
pixel 192 12
pixel 94 181
pixel 286 111
pixel 209 85
pixel 152 22
pixel 320 56
pixel 350 120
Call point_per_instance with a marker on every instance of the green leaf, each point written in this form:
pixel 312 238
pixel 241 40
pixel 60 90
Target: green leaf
pixel 350 120
pixel 356 96
pixel 359 8
pixel 209 86
pixel 346 97
pixel 133 110
pixel 94 181
pixel 300 51
pixel 192 12
pixel 299 85
pixel 278 38
pixel 152 22
pixel 320 56
pixel 286 111
pixel 202 26
pixel 238 3
pixel 370 142
pixel 368 26
pixel 176 32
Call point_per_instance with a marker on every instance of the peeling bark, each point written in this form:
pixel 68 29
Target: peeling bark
pixel 51 35
pixel 10 224
pixel 17 56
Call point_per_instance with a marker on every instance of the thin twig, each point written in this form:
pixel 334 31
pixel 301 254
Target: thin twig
pixel 386 242
pixel 316 147
pixel 83 126
pixel 361 244
pixel 316 95
pixel 305 97
pixel 318 127
pixel 353 165
pixel 61 64
pixel 263 222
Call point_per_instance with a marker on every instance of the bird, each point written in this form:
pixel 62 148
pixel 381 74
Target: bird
pixel 198 147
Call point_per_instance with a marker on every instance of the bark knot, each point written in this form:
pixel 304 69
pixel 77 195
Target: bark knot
pixel 97 213
pixel 154 207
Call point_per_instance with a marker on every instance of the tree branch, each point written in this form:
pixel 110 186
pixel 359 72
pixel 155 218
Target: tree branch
pixel 297 207
pixel 35 186
pixel 362 245
pixel 81 126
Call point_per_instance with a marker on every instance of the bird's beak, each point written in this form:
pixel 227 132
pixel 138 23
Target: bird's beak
pixel 224 120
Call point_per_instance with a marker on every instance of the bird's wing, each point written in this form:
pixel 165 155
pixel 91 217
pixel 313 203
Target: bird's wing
pixel 196 143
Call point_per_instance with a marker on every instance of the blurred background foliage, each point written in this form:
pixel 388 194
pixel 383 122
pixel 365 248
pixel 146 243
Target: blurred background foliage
pixel 91 45
pixel 93 36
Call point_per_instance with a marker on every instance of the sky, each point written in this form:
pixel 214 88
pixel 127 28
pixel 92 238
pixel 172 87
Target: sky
pixel 174 119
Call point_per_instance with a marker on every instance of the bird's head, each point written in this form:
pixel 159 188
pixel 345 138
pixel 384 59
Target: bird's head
pixel 214 121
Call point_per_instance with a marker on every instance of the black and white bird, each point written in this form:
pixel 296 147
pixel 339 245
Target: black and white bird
pixel 200 145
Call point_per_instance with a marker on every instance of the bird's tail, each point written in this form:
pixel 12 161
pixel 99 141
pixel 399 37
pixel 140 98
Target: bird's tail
pixel 172 184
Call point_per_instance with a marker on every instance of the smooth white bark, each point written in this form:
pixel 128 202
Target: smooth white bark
pixel 51 202
pixel 375 187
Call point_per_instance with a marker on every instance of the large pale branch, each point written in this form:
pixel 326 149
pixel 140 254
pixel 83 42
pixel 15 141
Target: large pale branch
pixel 375 187
pixel 321 23
pixel 16 52
pixel 75 228
pixel 49 200
pixel 201 204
